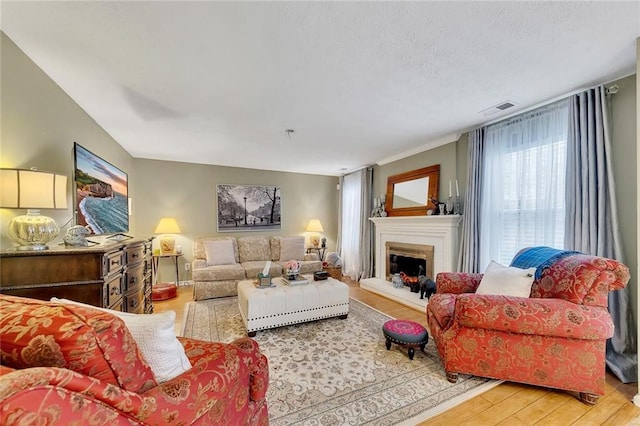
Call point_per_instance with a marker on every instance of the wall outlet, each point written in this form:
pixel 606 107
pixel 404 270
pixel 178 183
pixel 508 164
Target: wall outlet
pixel 187 267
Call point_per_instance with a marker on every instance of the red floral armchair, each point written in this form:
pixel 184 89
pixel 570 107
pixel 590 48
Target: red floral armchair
pixel 64 364
pixel 555 338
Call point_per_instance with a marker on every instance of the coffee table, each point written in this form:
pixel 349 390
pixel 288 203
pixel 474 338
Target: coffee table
pixel 264 308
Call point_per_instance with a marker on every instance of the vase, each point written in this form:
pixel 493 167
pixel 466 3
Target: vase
pixel 396 280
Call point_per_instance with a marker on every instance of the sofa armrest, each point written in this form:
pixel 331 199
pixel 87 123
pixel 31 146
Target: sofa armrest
pixel 258 370
pixel 544 317
pixel 198 264
pixel 457 282
pixel 58 396
pixel 209 355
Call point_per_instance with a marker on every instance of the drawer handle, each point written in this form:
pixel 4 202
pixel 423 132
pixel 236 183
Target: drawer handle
pixel 115 262
pixel 114 291
pixel 135 255
pixel 134 303
pixel 133 280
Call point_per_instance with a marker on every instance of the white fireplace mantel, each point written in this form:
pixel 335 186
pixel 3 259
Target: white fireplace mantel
pixel 441 232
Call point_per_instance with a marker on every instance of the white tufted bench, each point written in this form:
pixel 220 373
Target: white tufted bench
pixel 263 308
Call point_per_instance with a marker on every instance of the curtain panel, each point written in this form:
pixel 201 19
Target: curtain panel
pixel 592 218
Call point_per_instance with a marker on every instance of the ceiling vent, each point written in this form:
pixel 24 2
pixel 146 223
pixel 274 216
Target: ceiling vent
pixel 502 106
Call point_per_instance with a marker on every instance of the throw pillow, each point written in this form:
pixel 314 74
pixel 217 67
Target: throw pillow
pixel 506 281
pixel 291 248
pixel 156 340
pixel 219 252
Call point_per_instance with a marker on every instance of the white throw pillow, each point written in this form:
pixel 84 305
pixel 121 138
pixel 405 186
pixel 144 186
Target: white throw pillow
pixel 506 281
pixel 155 336
pixel 291 248
pixel 219 252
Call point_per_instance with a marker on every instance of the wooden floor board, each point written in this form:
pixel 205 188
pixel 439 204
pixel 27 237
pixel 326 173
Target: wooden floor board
pixel 506 404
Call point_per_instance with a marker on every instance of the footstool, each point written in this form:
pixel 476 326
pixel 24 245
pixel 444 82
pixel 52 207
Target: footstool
pixel 405 333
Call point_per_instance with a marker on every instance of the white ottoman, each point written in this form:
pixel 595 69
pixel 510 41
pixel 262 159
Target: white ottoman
pixel 263 308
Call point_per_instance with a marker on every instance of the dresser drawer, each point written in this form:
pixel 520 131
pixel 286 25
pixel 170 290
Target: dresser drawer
pixel 134 278
pixel 112 262
pixel 134 303
pixel 134 253
pixel 112 290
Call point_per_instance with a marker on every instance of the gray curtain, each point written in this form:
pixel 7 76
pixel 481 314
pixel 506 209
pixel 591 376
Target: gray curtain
pixel 469 255
pixel 592 221
pixel 367 226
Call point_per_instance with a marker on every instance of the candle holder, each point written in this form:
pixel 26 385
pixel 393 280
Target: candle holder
pixel 456 206
pixel 449 206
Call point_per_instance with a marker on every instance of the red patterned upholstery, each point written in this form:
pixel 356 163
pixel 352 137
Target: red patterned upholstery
pixel 556 338
pixel 109 382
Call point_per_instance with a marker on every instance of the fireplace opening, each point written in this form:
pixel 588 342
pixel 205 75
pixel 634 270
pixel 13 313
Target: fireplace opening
pixel 411 259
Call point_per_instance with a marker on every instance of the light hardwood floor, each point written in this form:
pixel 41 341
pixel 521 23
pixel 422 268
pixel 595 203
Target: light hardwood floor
pixel 506 404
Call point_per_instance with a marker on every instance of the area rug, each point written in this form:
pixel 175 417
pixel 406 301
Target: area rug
pixel 339 372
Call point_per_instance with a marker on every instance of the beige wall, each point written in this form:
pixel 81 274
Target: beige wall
pixel 187 192
pixel 40 123
pixel 625 170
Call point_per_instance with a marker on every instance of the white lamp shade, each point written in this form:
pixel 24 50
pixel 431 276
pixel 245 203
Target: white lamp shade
pixel 167 225
pixel 315 226
pixel 32 189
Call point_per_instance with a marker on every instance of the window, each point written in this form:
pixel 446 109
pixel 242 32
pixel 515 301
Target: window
pixel 523 194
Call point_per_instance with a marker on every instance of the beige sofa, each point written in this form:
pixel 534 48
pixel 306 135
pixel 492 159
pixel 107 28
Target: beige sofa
pixel 220 262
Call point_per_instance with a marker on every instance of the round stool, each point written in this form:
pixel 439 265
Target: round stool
pixel 164 291
pixel 406 333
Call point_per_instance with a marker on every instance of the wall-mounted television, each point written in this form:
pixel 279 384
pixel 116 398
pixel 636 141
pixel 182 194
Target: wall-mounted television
pixel 101 196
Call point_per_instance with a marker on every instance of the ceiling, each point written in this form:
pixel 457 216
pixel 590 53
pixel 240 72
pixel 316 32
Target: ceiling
pixel 358 82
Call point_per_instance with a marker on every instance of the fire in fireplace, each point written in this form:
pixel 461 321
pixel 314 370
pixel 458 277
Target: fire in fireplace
pixel 412 259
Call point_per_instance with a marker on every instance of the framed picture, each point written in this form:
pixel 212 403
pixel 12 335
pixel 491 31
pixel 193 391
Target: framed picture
pixel 248 208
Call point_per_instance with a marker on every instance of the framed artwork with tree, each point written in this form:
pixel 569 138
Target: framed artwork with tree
pixel 248 208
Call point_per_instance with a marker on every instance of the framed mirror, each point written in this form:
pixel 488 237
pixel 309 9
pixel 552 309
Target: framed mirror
pixel 410 193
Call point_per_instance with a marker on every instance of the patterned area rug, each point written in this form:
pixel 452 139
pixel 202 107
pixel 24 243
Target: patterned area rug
pixel 338 372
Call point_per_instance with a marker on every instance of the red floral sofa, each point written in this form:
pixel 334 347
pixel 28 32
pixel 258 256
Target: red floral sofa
pixel 555 338
pixel 64 364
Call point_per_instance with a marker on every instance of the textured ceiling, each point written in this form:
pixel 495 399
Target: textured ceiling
pixel 360 83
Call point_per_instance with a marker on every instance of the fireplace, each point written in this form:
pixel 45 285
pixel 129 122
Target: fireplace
pixel 409 236
pixel 412 259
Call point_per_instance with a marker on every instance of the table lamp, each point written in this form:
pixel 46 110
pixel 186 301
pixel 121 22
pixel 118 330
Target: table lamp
pixel 315 226
pixel 167 226
pixel 32 190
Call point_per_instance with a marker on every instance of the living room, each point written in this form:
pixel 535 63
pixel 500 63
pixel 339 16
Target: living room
pixel 40 124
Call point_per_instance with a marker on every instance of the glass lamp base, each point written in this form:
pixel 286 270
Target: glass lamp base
pixel 32 231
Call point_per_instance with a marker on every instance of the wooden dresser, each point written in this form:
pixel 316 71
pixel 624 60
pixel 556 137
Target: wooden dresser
pixel 116 276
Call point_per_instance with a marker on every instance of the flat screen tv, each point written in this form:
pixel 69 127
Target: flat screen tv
pixel 101 195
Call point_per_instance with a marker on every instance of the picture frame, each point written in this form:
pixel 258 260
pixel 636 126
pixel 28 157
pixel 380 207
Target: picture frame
pixel 248 208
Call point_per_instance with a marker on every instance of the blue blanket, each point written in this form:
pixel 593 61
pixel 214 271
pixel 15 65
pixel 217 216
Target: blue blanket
pixel 539 257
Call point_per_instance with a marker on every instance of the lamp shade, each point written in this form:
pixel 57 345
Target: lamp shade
pixel 32 190
pixel 167 225
pixel 315 226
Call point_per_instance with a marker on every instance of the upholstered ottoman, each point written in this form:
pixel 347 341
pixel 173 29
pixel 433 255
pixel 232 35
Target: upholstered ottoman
pixel 406 333
pixel 264 308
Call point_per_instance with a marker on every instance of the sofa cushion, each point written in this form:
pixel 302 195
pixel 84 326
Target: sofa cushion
pixel 253 248
pixel 219 252
pixel 199 251
pixel 156 339
pixel 219 273
pixel 306 266
pixel 36 333
pixel 506 281
pixel 291 248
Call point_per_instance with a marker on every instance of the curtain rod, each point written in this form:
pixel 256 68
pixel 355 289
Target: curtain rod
pixel 552 100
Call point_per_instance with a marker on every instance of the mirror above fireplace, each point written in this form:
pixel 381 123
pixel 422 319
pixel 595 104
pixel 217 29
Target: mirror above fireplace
pixel 409 193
